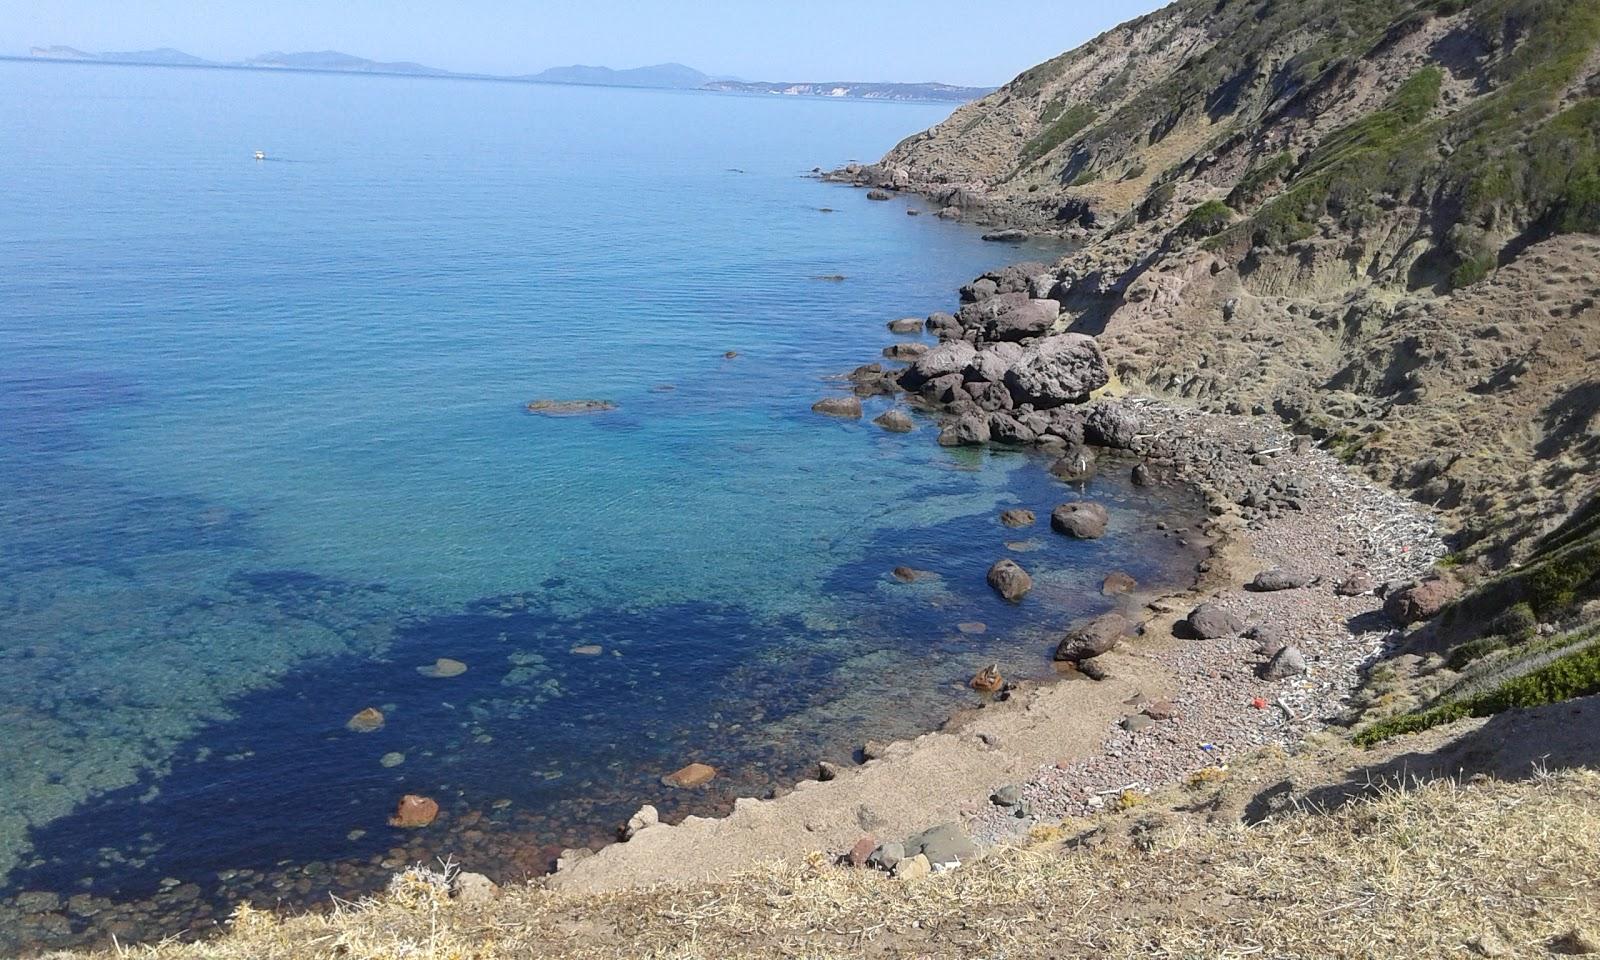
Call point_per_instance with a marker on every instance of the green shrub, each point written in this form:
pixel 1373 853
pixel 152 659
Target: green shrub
pixel 1069 124
pixel 1206 220
pixel 1251 187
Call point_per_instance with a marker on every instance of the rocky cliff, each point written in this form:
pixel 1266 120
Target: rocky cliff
pixel 1373 218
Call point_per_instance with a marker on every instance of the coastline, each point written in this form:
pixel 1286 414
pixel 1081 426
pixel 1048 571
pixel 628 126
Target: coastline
pixel 1066 744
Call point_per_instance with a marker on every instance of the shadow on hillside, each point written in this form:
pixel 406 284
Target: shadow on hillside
pixel 1511 746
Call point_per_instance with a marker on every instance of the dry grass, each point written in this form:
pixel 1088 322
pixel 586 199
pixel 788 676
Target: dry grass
pixel 1419 871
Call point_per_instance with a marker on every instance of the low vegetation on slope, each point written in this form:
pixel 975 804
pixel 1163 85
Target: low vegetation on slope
pixel 1404 873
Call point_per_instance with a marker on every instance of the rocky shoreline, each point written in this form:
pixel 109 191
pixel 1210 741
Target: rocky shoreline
pixel 1266 648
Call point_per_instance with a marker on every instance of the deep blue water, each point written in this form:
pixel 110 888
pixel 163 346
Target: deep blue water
pixel 263 453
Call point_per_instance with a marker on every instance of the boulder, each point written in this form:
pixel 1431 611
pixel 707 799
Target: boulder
pixel 1287 662
pixel 369 720
pixel 992 362
pixel 1209 621
pixel 895 421
pixel 1033 318
pixel 1271 581
pixel 473 888
pixel 847 407
pixel 1064 368
pixel 905 325
pixel 877 195
pixel 944 326
pixel 1004 428
pixel 1358 584
pixel 887 855
pixel 646 818
pixel 908 574
pixel 989 396
pixel 905 351
pixel 1111 424
pixel 692 776
pixel 978 315
pixel 1017 518
pixel 965 432
pixel 945 846
pixel 1269 638
pixel 945 389
pixel 1118 583
pixel 913 868
pixel 979 290
pixel 950 213
pixel 950 357
pixel 1100 635
pixel 414 812
pixel 1419 602
pixel 861 852
pixel 1160 710
pixel 1075 465
pixel 1009 580
pixel 1080 519
pixel 1066 423
pixel 1141 475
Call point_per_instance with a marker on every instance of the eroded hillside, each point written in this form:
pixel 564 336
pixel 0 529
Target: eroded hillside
pixel 1373 218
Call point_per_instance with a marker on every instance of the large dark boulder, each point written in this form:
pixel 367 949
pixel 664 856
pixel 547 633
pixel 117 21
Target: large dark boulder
pixel 1075 465
pixel 1111 423
pixel 1420 601
pixel 848 407
pixel 1080 519
pixel 1004 428
pixel 944 326
pixel 1010 580
pixel 992 362
pixel 968 431
pixel 1271 581
pixel 1210 621
pixel 950 357
pixel 1091 639
pixel 1032 318
pixel 1065 368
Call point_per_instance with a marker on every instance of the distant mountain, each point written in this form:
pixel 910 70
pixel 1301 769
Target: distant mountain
pixel 166 56
pixel 334 60
pixel 662 76
pixel 670 76
pixel 857 91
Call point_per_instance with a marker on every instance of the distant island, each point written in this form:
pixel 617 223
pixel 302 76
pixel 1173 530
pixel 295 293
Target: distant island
pixel 664 76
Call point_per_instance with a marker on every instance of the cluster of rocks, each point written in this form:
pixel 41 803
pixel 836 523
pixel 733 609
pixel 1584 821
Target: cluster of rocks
pixel 934 850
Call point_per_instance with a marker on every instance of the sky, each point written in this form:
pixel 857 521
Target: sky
pixel 954 41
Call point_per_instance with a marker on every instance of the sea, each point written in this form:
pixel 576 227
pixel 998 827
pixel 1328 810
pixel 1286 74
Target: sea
pixel 265 459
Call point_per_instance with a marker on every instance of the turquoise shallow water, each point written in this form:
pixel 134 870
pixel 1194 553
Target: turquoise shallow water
pixel 263 452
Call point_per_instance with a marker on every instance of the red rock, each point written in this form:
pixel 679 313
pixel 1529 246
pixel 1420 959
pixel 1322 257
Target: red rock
pixel 414 811
pixel 857 857
pixel 694 775
pixel 1161 710
pixel 988 680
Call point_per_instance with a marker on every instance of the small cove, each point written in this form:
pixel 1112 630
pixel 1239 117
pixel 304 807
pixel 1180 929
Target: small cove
pixel 264 454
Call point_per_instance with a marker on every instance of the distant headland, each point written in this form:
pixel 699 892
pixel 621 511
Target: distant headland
pixel 665 76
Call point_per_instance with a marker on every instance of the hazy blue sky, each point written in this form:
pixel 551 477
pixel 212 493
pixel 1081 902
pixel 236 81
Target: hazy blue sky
pixel 956 41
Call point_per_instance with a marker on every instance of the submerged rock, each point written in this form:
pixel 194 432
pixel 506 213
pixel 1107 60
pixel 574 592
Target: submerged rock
pixel 895 421
pixel 414 812
pixel 366 721
pixel 569 408
pixel 393 758
pixel 1075 465
pixel 691 776
pixel 908 574
pixel 443 668
pixel 847 407
pixel 1018 518
pixel 1080 519
pixel 1118 583
pixel 1009 580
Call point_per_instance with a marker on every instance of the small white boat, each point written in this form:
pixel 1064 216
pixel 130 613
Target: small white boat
pixel 261 155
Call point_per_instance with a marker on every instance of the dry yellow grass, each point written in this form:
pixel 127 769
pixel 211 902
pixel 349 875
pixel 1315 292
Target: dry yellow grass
pixel 1420 871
